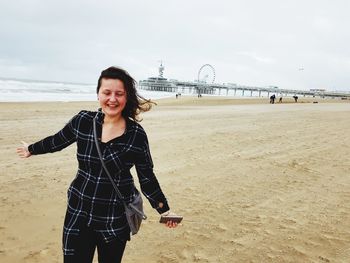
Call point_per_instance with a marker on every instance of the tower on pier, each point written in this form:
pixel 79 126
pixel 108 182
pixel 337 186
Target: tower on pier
pixel 161 69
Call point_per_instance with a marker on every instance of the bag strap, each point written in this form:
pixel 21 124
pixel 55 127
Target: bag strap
pixel 103 163
pixel 109 175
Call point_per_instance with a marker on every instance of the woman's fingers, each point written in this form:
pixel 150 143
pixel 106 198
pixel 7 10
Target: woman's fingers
pixel 171 224
pixel 23 150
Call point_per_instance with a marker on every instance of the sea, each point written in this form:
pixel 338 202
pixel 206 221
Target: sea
pixel 19 90
pixel 15 90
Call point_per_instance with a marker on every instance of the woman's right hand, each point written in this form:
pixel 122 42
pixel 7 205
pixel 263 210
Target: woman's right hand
pixel 23 150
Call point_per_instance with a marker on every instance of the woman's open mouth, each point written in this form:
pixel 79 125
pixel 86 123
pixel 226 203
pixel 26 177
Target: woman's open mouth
pixel 113 106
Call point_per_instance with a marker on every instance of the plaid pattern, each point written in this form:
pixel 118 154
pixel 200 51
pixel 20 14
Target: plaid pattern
pixel 92 201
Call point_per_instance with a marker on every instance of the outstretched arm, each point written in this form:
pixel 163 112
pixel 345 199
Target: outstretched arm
pixel 53 143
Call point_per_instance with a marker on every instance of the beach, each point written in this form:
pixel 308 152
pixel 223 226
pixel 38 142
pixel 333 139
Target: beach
pixel 255 182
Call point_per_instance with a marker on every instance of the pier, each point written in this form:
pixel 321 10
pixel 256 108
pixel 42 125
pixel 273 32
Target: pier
pixel 224 89
pixel 198 87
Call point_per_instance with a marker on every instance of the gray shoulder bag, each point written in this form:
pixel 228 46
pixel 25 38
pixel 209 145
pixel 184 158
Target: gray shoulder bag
pixel 134 210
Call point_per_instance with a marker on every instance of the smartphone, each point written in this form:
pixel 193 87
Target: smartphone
pixel 165 219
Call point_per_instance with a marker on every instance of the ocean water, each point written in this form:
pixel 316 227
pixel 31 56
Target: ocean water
pixel 12 90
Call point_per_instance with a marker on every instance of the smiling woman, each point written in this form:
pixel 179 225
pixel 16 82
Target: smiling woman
pixel 119 81
pixel 112 97
pixel 119 101
pixel 95 215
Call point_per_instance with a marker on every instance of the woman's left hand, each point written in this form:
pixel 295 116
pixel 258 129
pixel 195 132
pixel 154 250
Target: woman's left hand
pixel 170 224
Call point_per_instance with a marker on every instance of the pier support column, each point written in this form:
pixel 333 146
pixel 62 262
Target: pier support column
pixel 259 93
pixel 251 93
pixel 235 92
pixel 243 93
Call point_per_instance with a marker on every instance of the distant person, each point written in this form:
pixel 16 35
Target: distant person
pixel 177 95
pixel 95 215
pixel 280 100
pixel 272 99
pixel 295 98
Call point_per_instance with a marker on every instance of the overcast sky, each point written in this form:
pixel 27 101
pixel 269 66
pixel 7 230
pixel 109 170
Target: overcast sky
pixel 300 44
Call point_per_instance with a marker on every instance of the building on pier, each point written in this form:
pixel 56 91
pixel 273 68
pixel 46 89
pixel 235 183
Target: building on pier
pixel 171 85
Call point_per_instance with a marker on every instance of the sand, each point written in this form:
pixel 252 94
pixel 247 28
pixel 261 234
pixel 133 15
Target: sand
pixel 255 182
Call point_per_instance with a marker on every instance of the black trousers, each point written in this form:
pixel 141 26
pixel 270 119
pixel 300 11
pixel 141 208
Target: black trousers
pixel 87 242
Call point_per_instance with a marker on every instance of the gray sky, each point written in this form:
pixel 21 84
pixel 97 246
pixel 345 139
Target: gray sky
pixel 249 42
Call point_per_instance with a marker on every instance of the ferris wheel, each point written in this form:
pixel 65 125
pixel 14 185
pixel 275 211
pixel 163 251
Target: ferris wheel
pixel 206 74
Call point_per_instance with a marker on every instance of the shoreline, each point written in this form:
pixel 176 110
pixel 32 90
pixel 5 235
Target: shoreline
pixel 186 98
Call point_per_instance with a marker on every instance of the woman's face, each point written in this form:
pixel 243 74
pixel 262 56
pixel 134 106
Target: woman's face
pixel 112 97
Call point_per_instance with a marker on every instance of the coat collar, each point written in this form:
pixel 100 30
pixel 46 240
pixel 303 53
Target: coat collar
pixel 100 117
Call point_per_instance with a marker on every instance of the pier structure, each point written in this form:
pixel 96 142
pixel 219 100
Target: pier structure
pixel 197 87
pixel 157 84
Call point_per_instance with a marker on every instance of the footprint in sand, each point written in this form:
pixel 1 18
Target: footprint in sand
pixel 323 259
pixel 37 254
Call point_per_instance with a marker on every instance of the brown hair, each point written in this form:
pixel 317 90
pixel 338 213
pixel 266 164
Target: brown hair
pixel 135 103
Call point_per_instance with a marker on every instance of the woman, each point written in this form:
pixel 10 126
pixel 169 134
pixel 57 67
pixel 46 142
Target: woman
pixel 95 215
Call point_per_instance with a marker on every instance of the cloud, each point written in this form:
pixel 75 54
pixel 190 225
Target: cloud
pixel 255 57
pixel 251 42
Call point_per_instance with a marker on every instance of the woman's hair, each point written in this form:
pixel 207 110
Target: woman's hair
pixel 135 103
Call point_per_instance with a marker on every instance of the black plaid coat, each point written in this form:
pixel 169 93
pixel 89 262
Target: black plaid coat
pixel 92 199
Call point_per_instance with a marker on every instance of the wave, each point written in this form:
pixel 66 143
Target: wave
pixel 14 90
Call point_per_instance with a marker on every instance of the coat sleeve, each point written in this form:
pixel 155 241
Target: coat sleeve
pixel 58 141
pixel 148 181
